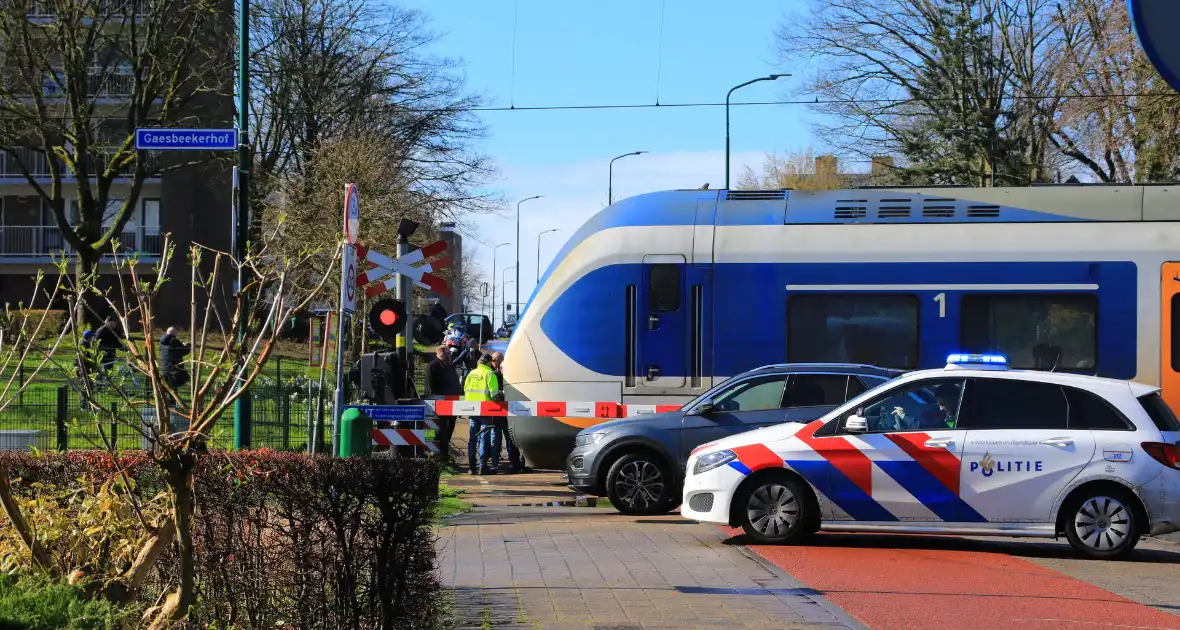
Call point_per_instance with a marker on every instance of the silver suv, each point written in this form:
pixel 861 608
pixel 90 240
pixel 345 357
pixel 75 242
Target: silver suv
pixel 639 463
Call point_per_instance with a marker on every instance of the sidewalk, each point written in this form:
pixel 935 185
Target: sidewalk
pixel 515 566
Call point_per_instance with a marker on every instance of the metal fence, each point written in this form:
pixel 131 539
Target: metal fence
pixel 286 405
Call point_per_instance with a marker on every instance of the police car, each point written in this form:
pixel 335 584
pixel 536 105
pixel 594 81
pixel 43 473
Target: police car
pixel 973 449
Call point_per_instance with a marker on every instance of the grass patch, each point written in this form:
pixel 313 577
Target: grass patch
pixel 450 503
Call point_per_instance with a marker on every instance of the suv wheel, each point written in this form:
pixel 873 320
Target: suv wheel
pixel 777 510
pixel 640 485
pixel 1102 524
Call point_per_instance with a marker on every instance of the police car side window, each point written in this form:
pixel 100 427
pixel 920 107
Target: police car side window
pixel 993 403
pixel 929 404
pixel 1090 411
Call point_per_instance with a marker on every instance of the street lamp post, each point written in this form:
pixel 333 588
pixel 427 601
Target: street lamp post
pixel 727 95
pixel 494 281
pixel 518 251
pixel 243 422
pixel 539 253
pixel 504 292
pixel 610 175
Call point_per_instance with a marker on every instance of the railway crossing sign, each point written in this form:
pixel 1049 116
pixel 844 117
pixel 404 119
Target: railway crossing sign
pixel 352 214
pixel 1153 21
pixel 381 265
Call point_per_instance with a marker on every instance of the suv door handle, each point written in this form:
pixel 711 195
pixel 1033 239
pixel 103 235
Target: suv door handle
pixel 937 443
pixel 1059 441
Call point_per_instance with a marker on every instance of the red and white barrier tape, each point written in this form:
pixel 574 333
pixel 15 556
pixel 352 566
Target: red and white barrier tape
pixel 545 409
pixel 404 437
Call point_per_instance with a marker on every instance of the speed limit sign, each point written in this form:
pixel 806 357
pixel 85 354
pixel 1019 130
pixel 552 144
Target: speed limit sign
pixel 352 214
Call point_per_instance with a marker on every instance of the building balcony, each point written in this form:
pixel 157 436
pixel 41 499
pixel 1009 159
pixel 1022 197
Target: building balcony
pixel 44 10
pixel 38 165
pixel 25 243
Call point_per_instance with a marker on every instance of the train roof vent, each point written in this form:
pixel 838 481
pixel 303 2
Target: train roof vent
pixel 893 212
pixel 938 212
pixel 851 212
pixel 755 195
pixel 983 212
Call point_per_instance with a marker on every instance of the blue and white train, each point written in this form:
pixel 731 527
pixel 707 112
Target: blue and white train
pixel 659 296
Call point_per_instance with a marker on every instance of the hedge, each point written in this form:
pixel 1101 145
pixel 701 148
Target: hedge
pixel 290 540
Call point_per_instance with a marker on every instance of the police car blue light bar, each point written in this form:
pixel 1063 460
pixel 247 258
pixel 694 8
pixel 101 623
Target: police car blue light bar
pixel 976 359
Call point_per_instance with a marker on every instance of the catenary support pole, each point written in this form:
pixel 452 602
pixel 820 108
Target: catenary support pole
pixel 243 425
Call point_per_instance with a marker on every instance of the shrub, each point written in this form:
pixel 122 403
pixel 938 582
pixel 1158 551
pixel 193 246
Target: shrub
pixel 287 539
pixel 35 603
pixel 12 321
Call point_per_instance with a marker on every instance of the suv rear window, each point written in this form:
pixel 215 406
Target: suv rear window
pixel 1159 411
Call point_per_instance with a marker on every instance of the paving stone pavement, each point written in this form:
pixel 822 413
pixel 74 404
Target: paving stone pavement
pixel 542 568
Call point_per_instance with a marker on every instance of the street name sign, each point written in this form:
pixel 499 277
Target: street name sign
pixel 186 139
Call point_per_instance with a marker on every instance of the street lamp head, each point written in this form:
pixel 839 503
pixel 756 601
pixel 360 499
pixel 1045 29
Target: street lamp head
pixel 777 76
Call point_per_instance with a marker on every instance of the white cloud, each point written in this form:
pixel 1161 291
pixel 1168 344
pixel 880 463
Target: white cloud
pixel 573 193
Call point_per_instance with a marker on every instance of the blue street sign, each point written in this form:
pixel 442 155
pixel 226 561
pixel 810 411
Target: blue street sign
pixel 186 139
pixel 1153 21
pixel 392 413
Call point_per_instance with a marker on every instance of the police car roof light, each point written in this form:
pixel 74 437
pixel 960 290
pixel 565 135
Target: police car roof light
pixel 977 361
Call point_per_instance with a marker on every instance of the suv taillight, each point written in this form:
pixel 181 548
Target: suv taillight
pixel 1164 453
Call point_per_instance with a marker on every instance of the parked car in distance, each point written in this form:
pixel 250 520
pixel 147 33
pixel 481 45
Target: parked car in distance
pixel 639 463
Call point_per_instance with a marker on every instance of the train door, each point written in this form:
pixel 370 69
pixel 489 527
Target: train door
pixel 1170 334
pixel 663 322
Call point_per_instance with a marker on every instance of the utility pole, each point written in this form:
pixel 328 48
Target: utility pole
pixel 243 425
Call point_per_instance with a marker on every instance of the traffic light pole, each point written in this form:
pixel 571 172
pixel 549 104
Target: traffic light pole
pixel 405 293
pixel 243 424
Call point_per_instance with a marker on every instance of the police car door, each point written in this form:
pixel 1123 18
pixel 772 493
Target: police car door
pixel 895 458
pixel 1020 452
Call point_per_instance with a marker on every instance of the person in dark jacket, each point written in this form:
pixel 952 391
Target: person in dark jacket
pixel 501 423
pixel 109 340
pixel 443 380
pixel 172 353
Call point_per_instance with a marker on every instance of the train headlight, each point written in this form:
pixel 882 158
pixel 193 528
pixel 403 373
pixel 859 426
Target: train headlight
pixel 709 461
pixel 586 439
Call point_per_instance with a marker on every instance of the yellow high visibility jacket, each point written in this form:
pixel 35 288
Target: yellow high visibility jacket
pixel 481 383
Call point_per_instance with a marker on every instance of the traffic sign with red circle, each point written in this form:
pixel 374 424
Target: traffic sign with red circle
pixel 352 214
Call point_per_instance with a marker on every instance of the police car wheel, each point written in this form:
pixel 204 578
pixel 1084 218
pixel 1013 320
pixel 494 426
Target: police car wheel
pixel 1102 524
pixel 640 485
pixel 777 510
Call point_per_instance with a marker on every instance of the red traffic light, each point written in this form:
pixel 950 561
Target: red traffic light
pixel 388 318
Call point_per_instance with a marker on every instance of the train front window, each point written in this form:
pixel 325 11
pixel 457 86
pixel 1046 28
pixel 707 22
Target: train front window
pixel 1038 331
pixel 853 328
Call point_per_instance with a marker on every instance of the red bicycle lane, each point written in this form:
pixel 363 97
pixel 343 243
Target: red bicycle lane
pixel 899 581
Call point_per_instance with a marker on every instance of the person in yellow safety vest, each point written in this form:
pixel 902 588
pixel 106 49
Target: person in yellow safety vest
pixel 482 386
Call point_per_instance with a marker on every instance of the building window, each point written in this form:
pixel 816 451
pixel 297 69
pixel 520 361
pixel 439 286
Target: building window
pixel 1035 331
pixel 853 328
pixel 663 288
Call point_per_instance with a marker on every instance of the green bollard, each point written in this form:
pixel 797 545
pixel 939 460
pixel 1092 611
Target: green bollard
pixel 356 433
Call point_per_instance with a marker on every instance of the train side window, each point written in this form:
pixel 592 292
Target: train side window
pixel 1042 331
pixel 663 288
pixel 873 329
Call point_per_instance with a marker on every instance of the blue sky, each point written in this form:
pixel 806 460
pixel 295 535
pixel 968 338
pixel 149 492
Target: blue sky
pixel 608 52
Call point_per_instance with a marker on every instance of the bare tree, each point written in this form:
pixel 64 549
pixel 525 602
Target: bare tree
pixel 1120 123
pixel 329 69
pixel 144 394
pixel 81 76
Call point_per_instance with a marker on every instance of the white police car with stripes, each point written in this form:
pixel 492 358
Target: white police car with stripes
pixel 972 449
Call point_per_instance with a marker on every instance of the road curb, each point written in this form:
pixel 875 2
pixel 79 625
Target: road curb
pixel 804 590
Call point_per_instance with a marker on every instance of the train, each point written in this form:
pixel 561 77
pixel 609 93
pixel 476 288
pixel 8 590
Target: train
pixel 660 296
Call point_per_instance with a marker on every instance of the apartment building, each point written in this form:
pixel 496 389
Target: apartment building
pixel 191 202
